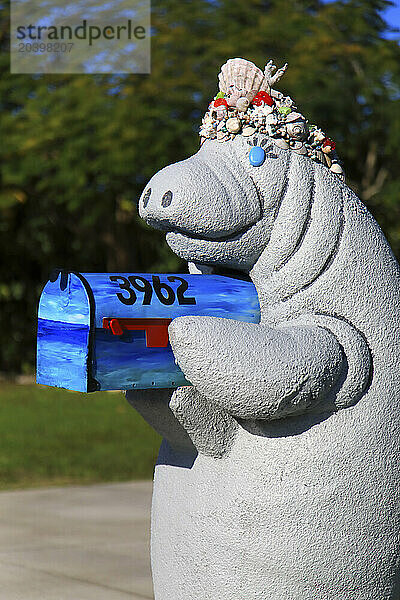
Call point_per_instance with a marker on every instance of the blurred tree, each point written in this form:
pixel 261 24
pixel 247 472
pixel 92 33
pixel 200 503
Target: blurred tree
pixel 78 149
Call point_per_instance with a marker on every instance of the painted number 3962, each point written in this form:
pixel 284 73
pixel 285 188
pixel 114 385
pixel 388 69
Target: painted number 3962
pixel 135 283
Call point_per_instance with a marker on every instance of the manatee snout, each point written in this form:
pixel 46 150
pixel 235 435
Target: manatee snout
pixel 201 197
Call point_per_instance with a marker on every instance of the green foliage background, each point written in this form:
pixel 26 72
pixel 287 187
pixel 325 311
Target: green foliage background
pixel 77 150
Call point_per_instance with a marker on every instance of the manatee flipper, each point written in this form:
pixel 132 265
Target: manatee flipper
pixel 153 406
pixel 210 428
pixel 255 371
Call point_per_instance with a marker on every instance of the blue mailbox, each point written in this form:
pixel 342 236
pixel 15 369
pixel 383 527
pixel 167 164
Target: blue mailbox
pixel 109 331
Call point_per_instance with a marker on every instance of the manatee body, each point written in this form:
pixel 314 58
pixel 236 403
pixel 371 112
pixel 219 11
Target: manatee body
pixel 279 474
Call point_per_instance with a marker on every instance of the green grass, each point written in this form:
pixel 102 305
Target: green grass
pixel 50 436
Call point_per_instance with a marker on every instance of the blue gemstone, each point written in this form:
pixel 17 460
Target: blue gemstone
pixel 257 156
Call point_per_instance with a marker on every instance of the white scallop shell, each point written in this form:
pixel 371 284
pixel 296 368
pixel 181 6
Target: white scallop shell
pixel 239 77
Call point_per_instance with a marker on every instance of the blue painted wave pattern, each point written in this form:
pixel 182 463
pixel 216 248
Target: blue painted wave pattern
pixel 124 362
pixel 215 296
pixel 62 350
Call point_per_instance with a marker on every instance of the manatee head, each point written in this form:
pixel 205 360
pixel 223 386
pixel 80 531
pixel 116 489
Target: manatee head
pixel 219 207
pixel 216 208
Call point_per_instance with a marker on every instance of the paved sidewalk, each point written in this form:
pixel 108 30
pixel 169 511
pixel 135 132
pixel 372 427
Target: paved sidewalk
pixel 76 543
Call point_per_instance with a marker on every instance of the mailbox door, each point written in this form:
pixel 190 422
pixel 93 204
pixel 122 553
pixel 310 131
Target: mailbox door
pixel 64 334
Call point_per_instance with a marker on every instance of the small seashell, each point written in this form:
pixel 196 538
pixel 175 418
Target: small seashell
pixel 297 130
pixel 289 102
pixel 221 136
pixel 319 135
pixel 294 116
pixel 336 168
pixel 340 175
pixel 328 160
pixel 233 125
pixel 242 104
pixel 276 94
pixel 280 143
pixel 220 125
pixel 248 130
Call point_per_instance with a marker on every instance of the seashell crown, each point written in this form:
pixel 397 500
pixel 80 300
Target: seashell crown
pixel 247 104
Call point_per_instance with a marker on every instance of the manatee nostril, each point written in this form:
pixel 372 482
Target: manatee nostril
pixel 166 199
pixel 146 197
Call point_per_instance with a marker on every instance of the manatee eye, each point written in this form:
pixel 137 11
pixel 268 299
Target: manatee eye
pixel 166 199
pixel 146 197
pixel 256 156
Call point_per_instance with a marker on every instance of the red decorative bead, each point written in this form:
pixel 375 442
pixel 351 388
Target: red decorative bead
pixel 328 142
pixel 220 102
pixel 262 98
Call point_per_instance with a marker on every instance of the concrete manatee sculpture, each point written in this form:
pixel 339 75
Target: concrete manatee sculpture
pixel 278 477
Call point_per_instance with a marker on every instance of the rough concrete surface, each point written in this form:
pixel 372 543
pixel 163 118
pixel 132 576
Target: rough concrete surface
pixel 289 489
pixel 76 543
